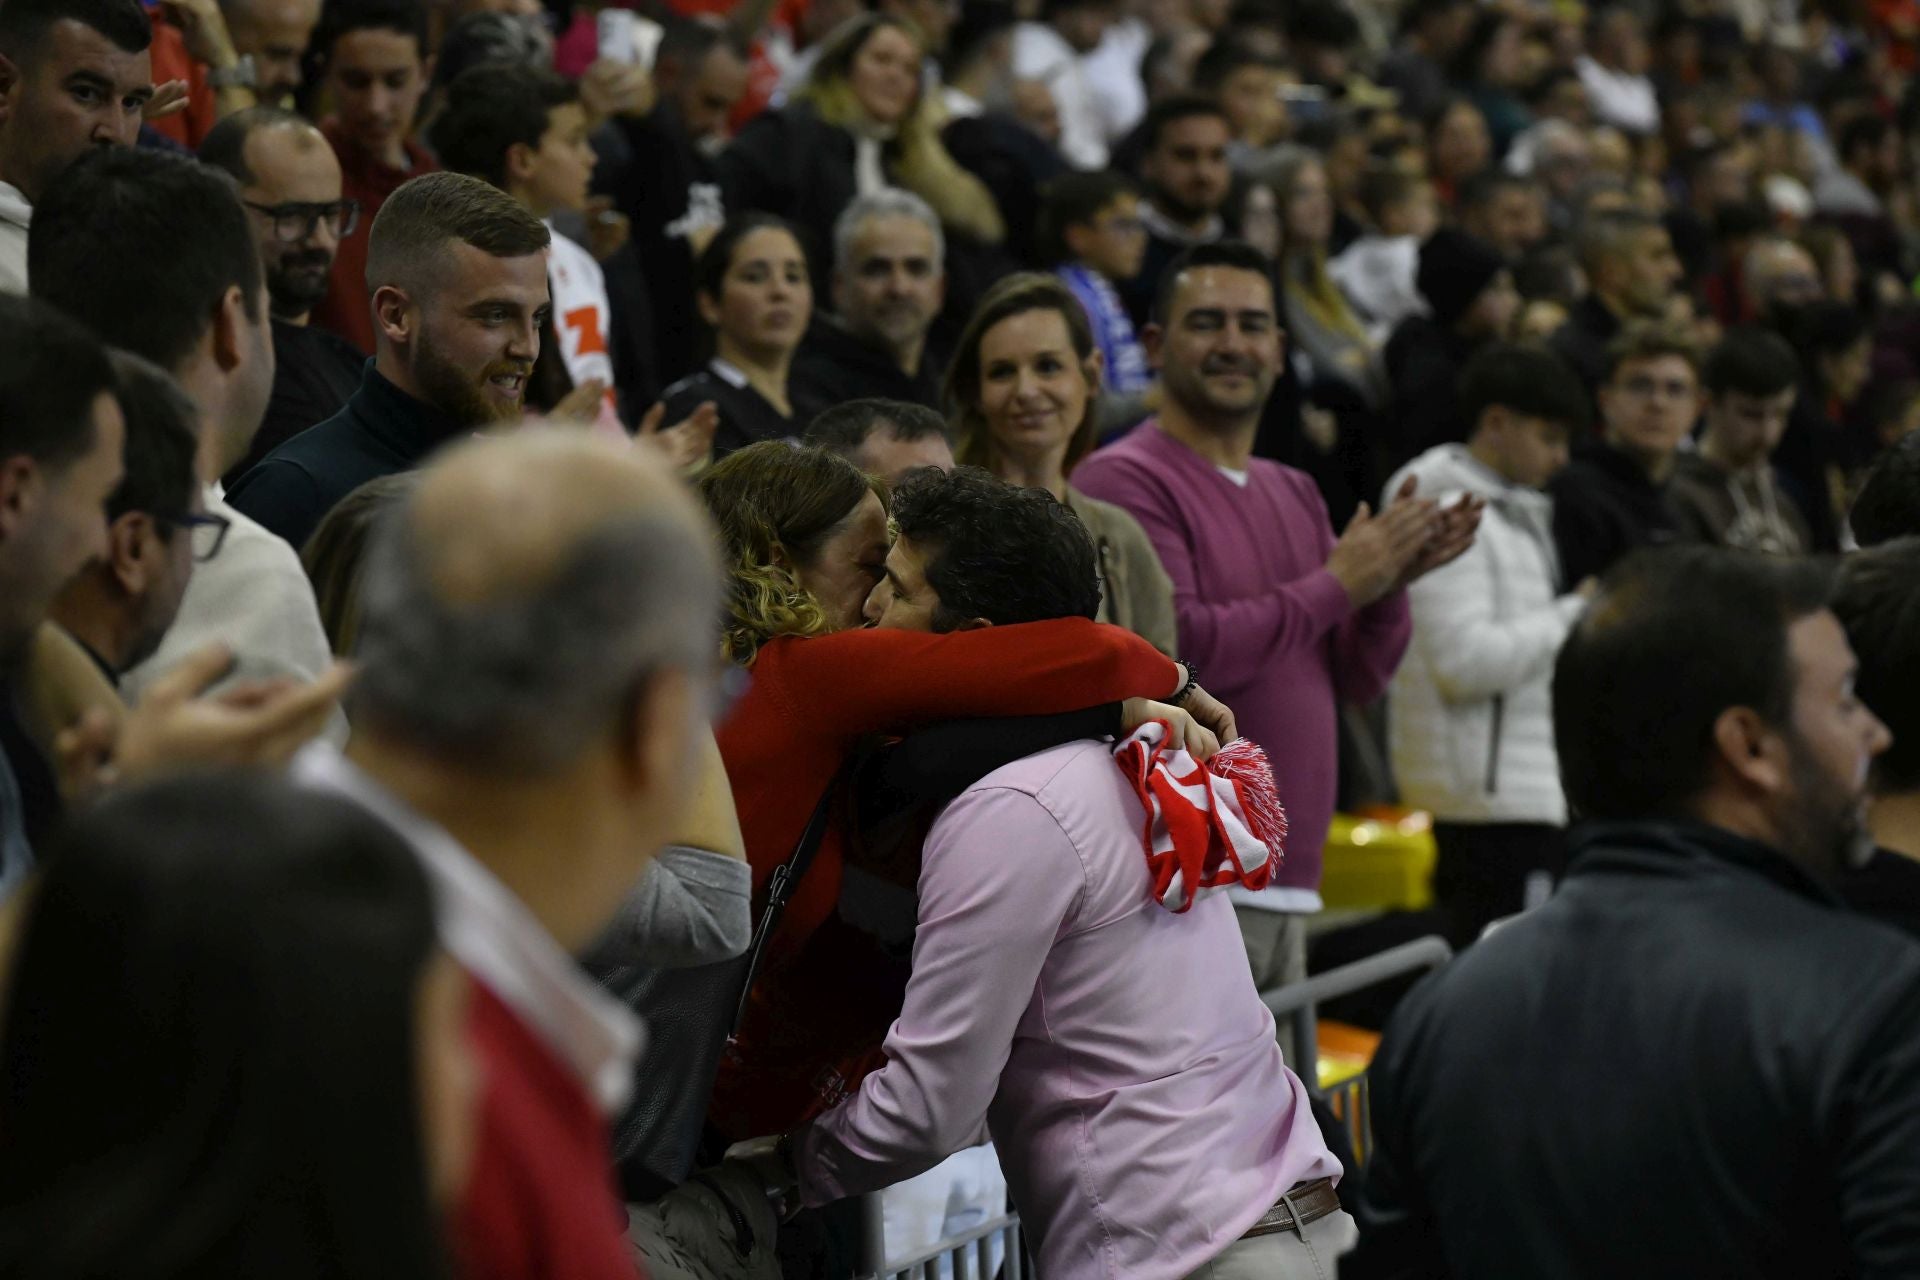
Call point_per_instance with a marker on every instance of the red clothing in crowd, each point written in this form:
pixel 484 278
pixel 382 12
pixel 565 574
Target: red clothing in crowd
pixel 348 308
pixel 171 61
pixel 811 703
pixel 541 1140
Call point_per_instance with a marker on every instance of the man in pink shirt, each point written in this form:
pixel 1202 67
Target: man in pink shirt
pixel 1284 620
pixel 1116 1052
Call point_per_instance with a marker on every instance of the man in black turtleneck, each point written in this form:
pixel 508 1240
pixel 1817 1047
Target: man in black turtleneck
pixel 1613 496
pixel 458 270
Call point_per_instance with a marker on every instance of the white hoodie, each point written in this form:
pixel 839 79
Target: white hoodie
pixel 1470 716
pixel 15 213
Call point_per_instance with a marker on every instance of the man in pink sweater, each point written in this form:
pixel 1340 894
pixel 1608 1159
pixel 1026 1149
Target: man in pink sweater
pixel 1283 620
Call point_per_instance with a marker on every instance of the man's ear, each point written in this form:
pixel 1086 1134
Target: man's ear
pixel 1152 341
pixel 21 482
pixel 1095 368
pixel 1751 750
pixel 657 757
pixel 9 81
pixel 229 319
pixel 393 314
pixel 840 284
pixel 940 289
pixel 519 165
pixel 709 308
pixel 132 543
pixel 1075 236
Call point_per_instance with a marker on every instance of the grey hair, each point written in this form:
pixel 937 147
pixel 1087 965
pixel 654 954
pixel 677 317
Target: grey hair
pixel 887 202
pixel 525 682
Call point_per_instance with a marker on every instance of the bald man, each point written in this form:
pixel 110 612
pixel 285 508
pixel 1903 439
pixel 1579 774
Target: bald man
pixel 274 34
pixel 290 183
pixel 537 631
pixel 1777 277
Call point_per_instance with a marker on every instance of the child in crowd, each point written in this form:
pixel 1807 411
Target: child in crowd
pixel 525 131
pixel 1377 271
pixel 1090 229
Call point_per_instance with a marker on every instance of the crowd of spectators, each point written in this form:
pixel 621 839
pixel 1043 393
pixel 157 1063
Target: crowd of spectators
pixel 705 605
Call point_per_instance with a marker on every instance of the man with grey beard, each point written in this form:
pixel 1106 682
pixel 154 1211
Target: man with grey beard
pixel 889 282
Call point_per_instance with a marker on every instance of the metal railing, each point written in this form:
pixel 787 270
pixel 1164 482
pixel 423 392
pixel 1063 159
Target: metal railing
pixel 971 1255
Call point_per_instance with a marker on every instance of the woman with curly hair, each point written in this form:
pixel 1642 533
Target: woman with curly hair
pixel 861 122
pixel 804 538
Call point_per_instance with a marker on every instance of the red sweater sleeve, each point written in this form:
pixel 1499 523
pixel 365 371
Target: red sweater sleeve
pixel 853 683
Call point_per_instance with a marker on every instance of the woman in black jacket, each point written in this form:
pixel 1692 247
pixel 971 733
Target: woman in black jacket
pixel 861 122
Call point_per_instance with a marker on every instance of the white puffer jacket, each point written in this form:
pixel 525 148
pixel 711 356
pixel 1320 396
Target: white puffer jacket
pixel 1470 711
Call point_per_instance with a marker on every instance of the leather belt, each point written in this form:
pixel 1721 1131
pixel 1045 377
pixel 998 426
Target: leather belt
pixel 1307 1203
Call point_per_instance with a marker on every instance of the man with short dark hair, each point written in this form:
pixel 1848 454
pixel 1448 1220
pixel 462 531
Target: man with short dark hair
pixel 1889 503
pixel 886 438
pixel 120 606
pixel 373 57
pixel 1693 1036
pixel 291 186
pixel 459 276
pixel 74 75
pixel 1725 492
pixel 1474 686
pixel 1877 602
pixel 532 674
pixel 61 433
pixel 1183 166
pixel 1505 211
pixel 1632 271
pixel 188 293
pixel 1613 496
pixel 889 282
pixel 1035 902
pixel 1284 619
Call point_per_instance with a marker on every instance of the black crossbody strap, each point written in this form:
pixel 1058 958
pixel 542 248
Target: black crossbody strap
pixel 786 878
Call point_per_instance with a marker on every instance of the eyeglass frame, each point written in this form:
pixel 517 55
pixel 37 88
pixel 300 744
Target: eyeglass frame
pixel 347 210
pixel 191 520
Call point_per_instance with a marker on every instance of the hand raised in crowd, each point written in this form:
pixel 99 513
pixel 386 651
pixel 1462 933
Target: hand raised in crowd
pixel 686 443
pixel 1448 536
pixel 1375 552
pixel 179 725
pixel 168 99
pixel 608 230
pixel 580 406
pixel 1184 730
pixel 609 88
pixel 205 30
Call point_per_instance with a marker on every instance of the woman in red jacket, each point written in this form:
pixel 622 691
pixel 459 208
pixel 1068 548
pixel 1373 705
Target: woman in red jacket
pixel 804 534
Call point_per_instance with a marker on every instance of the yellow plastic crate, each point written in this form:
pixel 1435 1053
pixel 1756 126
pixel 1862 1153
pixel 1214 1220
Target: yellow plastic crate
pixel 1379 863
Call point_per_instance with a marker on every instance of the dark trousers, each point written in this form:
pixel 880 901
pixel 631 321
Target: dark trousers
pixel 1483 870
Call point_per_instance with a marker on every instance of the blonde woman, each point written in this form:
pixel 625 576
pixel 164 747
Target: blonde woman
pixel 1023 386
pixel 861 122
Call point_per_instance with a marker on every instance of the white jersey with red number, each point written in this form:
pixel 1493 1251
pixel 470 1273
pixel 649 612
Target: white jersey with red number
pixel 582 317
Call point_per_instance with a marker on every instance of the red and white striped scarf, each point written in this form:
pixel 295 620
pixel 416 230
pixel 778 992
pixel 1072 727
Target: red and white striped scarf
pixel 1208 826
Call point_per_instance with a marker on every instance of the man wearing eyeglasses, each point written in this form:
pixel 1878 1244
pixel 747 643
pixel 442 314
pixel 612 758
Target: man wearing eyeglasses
pixel 1613 497
pixel 290 184
pixel 120 605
